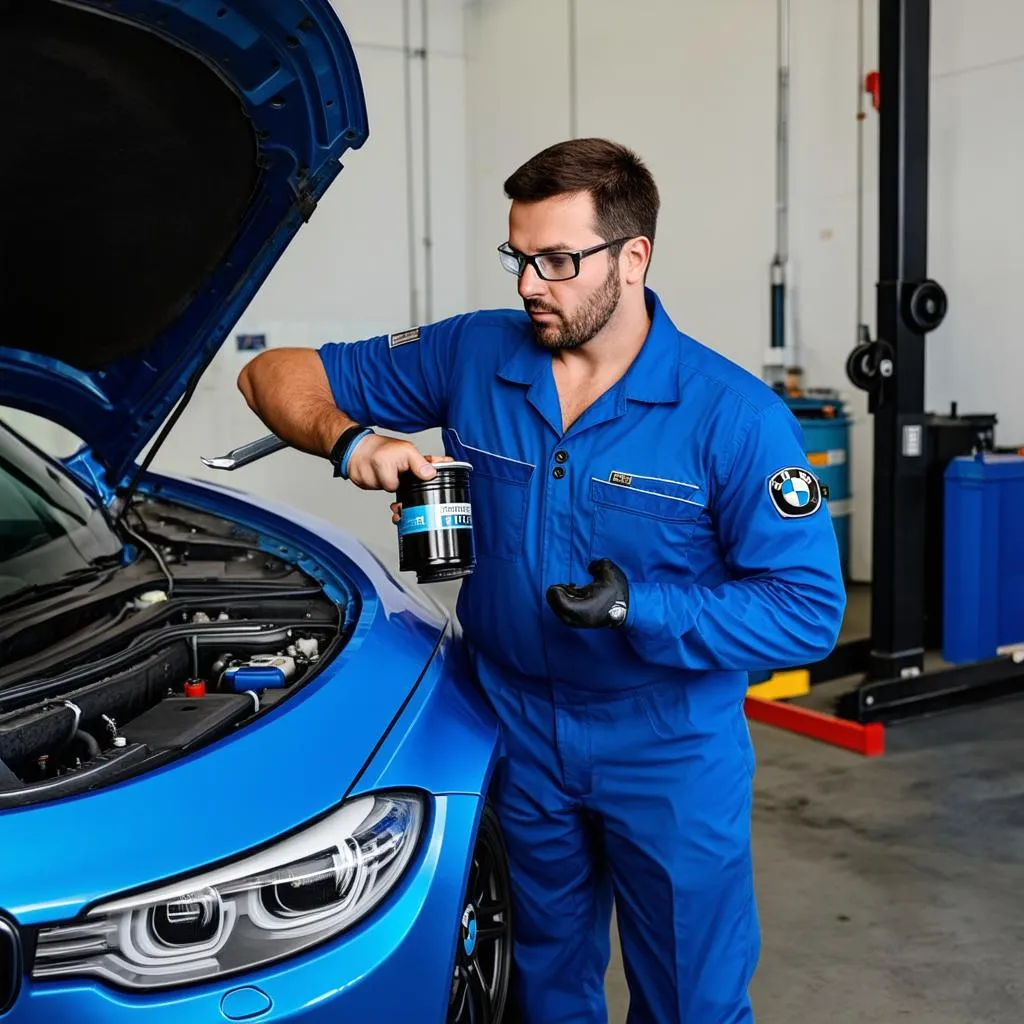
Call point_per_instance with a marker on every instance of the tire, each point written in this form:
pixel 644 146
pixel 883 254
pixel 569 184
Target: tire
pixel 483 956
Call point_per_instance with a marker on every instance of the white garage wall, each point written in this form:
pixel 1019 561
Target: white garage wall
pixel 517 86
pixel 690 84
pixel 977 207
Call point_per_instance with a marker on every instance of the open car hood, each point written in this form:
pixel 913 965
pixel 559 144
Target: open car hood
pixel 158 157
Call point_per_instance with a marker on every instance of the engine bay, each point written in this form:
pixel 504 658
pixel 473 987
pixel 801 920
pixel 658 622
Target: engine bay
pixel 192 639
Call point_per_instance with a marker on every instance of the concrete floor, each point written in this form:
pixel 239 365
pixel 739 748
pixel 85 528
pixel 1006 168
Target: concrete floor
pixel 890 889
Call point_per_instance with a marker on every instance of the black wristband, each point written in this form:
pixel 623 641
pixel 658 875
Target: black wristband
pixel 341 446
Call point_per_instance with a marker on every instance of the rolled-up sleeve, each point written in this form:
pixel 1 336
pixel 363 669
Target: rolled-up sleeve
pixel 400 381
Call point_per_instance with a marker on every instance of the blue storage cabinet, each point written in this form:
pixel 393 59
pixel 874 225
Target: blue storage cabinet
pixel 827 446
pixel 983 585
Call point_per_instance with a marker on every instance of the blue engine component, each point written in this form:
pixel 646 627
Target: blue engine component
pixel 254 677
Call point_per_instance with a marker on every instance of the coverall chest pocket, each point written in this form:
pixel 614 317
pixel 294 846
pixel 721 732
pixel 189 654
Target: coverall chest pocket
pixel 499 489
pixel 645 528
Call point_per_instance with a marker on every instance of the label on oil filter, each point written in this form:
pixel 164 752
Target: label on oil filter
pixel 424 518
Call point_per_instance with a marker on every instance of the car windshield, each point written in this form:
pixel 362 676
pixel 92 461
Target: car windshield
pixel 49 527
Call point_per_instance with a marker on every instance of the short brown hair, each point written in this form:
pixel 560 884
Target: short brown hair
pixel 625 196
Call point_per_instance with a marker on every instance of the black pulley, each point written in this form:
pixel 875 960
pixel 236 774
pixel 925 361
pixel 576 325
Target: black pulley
pixel 435 533
pixel 860 366
pixel 925 306
pixel 869 364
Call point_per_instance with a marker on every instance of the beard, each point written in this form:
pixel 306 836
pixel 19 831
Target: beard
pixel 586 323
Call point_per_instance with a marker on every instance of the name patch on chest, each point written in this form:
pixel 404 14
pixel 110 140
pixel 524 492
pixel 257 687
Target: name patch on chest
pixel 625 479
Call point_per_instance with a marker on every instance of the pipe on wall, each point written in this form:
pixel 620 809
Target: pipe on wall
pixel 418 53
pixel 861 330
pixel 782 136
pixel 781 257
pixel 428 241
pixel 573 64
pixel 410 190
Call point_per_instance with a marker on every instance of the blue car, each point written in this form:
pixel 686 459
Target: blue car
pixel 244 770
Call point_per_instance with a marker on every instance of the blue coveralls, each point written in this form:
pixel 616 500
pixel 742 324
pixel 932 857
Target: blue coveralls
pixel 630 765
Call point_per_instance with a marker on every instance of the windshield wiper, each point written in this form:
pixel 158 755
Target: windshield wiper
pixel 52 588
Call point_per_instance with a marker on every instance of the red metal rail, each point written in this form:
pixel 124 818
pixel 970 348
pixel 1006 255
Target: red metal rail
pixel 868 740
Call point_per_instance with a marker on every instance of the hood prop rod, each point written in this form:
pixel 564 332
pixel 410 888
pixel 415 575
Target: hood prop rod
pixel 129 492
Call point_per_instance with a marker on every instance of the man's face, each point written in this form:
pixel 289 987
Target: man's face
pixel 565 314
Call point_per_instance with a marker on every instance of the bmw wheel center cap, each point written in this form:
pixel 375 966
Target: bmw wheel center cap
pixel 469 928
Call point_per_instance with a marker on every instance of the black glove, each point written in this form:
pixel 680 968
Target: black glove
pixel 604 602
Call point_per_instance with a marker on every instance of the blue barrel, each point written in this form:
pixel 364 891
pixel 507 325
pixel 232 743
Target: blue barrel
pixel 983 561
pixel 826 429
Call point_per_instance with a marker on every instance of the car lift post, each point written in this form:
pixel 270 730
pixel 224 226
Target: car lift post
pixel 891 369
pixel 897 400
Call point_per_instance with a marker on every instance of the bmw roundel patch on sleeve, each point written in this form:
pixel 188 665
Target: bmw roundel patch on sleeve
pixel 795 492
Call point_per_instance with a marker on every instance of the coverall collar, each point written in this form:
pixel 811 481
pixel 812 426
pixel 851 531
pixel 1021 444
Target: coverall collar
pixel 652 378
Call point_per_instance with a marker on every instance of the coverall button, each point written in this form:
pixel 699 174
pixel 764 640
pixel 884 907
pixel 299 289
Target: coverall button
pixel 558 472
pixel 561 455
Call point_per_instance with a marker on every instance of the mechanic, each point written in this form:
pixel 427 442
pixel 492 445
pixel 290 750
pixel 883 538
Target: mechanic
pixel 648 531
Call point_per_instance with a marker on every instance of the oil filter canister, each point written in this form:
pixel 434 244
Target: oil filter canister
pixel 435 534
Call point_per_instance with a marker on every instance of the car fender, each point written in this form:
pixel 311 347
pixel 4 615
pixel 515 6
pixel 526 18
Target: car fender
pixel 446 740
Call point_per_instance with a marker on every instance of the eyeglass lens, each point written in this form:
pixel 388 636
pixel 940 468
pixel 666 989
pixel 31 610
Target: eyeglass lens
pixel 552 266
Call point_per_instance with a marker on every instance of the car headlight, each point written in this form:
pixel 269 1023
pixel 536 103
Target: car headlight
pixel 268 906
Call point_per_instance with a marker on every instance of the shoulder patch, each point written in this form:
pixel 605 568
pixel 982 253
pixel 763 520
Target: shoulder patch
pixel 795 493
pixel 403 337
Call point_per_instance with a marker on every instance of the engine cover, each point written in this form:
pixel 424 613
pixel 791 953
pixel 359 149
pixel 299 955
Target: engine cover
pixel 178 723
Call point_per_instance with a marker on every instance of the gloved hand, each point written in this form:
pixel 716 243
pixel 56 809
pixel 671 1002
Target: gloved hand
pixel 604 602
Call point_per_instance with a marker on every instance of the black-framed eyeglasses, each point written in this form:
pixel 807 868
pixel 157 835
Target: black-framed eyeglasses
pixel 550 266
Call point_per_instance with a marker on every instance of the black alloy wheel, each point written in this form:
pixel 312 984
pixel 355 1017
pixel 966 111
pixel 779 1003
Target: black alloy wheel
pixel 483 957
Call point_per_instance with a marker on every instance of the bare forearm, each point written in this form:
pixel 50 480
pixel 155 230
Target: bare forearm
pixel 289 391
